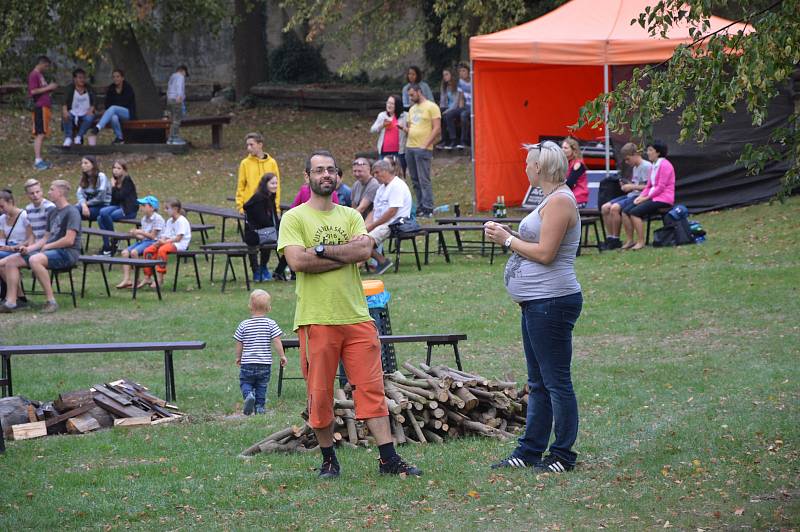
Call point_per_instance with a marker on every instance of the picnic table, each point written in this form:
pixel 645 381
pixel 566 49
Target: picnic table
pixel 114 236
pixel 233 250
pixel 225 213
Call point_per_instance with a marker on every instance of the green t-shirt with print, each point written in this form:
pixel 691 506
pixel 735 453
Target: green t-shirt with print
pixel 335 297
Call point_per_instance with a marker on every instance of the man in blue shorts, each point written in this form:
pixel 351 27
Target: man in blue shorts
pixel 59 248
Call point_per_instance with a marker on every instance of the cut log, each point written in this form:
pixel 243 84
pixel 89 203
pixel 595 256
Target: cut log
pixel 132 421
pixel 82 424
pixel 163 420
pixel 26 431
pixel 455 401
pixel 32 414
pixel 432 436
pixel 71 400
pixel 72 413
pixel 469 400
pixel 415 394
pixel 397 432
pixel 399 378
pixel 253 449
pixel 392 405
pixel 417 429
pixel 438 413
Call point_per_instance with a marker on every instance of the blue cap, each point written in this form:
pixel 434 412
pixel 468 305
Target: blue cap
pixel 149 200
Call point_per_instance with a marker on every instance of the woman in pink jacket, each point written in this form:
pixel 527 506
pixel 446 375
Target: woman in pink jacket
pixel 658 194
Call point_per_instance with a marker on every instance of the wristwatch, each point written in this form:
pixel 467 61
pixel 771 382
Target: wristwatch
pixel 507 243
pixel 320 250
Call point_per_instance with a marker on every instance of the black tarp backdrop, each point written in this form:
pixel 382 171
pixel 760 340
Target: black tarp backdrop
pixel 707 176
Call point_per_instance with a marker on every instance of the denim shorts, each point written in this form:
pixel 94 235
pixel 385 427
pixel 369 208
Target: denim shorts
pixel 57 259
pixel 623 201
pixel 140 246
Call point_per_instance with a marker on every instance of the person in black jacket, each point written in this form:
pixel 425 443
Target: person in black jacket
pixel 78 109
pixel 124 202
pixel 260 212
pixel 120 105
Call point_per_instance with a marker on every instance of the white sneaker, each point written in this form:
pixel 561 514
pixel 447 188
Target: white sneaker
pixel 78 140
pixel 67 142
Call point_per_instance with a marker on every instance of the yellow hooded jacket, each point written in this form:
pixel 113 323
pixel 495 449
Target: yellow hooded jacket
pixel 251 169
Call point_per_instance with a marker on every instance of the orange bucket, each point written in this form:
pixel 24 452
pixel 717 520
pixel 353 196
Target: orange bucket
pixel 372 287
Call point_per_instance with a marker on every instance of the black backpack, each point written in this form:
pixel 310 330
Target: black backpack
pixel 674 233
pixel 609 189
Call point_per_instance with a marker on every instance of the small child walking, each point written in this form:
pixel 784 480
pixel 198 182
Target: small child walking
pixel 255 340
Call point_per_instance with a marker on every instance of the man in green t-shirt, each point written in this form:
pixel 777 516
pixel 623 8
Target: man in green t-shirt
pixel 424 126
pixel 324 242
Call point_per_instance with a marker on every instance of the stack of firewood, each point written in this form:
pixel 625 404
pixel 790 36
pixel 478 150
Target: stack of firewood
pixel 429 405
pixel 118 403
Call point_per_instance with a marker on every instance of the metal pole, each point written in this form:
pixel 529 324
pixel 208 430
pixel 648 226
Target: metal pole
pixel 472 137
pixel 605 122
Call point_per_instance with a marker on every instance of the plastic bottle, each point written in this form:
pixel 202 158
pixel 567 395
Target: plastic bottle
pixel 441 208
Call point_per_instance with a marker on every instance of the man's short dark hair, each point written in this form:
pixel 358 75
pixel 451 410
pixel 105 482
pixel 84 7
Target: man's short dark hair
pixel 660 146
pixel 463 65
pixel 414 86
pixel 321 153
pixel 78 71
pixel 185 70
pixel 43 59
pixel 258 137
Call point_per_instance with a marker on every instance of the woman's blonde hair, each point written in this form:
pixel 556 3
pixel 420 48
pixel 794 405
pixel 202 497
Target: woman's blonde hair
pixel 553 163
pixel 573 144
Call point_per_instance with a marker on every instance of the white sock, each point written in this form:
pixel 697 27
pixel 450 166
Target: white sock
pixel 37 160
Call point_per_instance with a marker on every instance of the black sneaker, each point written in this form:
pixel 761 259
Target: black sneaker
pixel 396 466
pixel 553 464
pixel 329 468
pixel 512 462
pixel 384 267
pixel 118 141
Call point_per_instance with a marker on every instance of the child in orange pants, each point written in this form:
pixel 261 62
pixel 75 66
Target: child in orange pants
pixel 176 236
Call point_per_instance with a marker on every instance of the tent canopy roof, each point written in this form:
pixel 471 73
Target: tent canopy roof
pixel 587 32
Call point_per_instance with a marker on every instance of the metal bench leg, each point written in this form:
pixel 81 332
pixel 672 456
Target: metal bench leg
pixel 597 238
pixel 54 275
pixel 280 380
pixel 216 136
pixel 169 376
pixel 83 282
pixel 491 256
pixel 9 387
pixel 175 280
pixel 135 280
pixel 416 253
pixel 428 355
pixel 158 288
pixel 246 275
pixel 458 358
pixel 225 275
pixel 196 271
pixel 443 244
pixel 5 370
pixel 427 240
pixel 72 288
pixel 2 439
pixel 397 254
pixel 105 278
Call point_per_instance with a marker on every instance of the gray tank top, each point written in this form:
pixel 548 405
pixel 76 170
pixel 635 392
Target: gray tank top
pixel 526 279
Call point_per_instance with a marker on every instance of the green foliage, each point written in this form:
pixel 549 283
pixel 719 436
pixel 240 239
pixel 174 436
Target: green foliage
pixel 83 29
pixel 705 80
pixel 295 61
pixel 395 29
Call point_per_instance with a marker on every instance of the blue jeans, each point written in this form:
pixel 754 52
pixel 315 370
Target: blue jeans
pixel 140 246
pixel 114 114
pixel 255 378
pixel 547 338
pixel 107 217
pixel 57 259
pixel 84 123
pixel 94 212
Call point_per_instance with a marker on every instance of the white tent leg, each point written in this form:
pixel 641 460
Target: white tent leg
pixel 472 138
pixel 605 122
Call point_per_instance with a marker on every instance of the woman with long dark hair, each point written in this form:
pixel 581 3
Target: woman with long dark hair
pixel 94 189
pixel 391 128
pixel 540 278
pixel 261 212
pixel 124 201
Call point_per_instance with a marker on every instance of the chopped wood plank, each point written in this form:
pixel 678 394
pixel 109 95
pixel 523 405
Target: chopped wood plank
pixel 26 431
pixel 82 424
pixel 66 415
pixel 32 414
pixel 117 409
pixel 165 420
pixel 71 400
pixel 112 394
pixel 132 421
pixel 151 399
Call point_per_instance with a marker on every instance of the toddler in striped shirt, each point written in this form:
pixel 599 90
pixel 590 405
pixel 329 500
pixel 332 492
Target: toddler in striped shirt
pixel 255 340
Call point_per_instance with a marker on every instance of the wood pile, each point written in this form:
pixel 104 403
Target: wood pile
pixel 428 405
pixel 119 403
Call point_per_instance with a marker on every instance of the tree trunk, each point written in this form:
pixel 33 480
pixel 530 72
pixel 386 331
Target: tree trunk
pixel 126 54
pixel 249 45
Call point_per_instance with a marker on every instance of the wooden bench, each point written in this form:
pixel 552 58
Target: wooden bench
pixel 137 265
pixel 216 123
pixel 7 351
pixel 225 213
pixel 114 236
pixel 54 281
pixel 430 339
pixel 233 250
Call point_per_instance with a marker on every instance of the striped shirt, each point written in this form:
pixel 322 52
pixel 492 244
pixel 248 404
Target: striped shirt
pixel 37 217
pixel 256 335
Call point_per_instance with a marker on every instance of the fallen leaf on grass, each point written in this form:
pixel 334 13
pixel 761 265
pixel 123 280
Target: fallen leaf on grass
pixel 474 494
pixel 738 511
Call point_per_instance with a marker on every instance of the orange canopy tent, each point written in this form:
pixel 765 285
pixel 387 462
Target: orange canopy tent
pixel 531 80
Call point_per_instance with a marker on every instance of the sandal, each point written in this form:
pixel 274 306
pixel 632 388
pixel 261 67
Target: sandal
pixel 142 284
pixel 628 246
pixel 637 247
pixel 125 285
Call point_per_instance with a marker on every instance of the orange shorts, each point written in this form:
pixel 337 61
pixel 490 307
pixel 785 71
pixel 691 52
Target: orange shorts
pixel 358 347
pixel 41 121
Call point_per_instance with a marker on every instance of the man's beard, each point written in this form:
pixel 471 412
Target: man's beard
pixel 317 188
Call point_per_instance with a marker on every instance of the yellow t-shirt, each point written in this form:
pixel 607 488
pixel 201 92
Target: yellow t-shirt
pixel 420 123
pixel 334 297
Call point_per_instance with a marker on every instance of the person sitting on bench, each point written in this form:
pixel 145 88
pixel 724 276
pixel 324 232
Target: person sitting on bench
pixel 58 249
pixel 612 210
pixel 78 108
pixel 94 189
pixel 15 230
pixel 124 202
pixel 151 227
pixel 120 106
pixel 392 202
pixel 176 236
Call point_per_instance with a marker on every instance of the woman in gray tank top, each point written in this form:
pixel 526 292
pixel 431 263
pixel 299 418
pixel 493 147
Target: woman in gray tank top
pixel 540 277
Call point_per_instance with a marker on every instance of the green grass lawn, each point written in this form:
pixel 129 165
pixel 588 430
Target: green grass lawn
pixel 686 370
